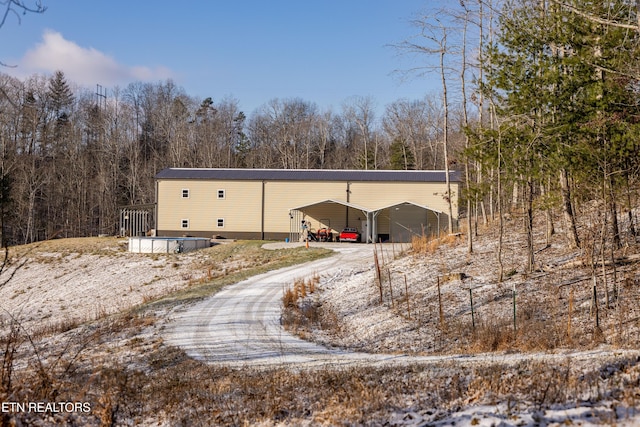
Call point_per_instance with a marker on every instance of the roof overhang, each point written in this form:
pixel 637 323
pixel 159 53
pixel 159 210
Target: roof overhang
pixel 363 209
pixel 334 175
pixel 407 202
pixel 332 201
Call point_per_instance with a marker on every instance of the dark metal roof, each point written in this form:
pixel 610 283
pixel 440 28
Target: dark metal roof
pixel 307 175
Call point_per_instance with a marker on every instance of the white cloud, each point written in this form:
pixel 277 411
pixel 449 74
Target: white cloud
pixel 83 66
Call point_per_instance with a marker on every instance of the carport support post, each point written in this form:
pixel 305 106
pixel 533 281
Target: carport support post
pixel 374 227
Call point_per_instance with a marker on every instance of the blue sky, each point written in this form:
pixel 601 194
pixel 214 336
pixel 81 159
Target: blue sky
pixel 324 51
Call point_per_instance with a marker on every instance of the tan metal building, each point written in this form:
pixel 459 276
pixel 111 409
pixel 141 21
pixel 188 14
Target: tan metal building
pixel 270 204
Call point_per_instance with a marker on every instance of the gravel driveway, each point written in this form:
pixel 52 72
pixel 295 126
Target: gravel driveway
pixel 240 325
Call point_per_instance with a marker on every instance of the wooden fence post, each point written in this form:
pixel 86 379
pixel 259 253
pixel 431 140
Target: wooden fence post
pixel 440 305
pixel 393 305
pixel 473 320
pixel 595 303
pixel 515 330
pixel 406 292
pixel 570 311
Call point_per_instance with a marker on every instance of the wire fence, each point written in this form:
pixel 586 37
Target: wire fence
pixel 545 311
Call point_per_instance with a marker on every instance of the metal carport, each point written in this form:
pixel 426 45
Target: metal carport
pixel 329 208
pixel 404 219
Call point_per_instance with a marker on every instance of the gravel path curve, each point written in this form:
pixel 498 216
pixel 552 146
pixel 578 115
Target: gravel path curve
pixel 240 325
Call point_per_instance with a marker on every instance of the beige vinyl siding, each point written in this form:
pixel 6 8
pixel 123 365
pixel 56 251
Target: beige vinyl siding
pixel 281 196
pixel 328 215
pixel 382 222
pixel 431 222
pixel 240 208
pixel 379 194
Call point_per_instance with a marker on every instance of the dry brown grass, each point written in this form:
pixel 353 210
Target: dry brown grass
pixel 299 312
pixel 429 244
pixel 164 386
pixel 555 307
pixel 545 320
pixel 73 246
pixel 168 388
pixel 143 381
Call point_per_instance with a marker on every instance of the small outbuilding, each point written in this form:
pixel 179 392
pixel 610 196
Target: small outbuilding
pixel 270 204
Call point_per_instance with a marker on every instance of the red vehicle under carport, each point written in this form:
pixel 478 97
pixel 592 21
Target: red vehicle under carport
pixel 350 234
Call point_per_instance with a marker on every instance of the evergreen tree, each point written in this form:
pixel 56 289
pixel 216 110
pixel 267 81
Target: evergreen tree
pixel 60 100
pixel 401 156
pixel 60 94
pixel 554 73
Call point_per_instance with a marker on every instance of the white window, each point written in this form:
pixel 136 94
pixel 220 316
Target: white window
pixel 185 193
pixel 185 223
pixel 220 222
pixel 221 194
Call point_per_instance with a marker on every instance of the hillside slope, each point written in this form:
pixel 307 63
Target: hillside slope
pixel 421 302
pixel 129 375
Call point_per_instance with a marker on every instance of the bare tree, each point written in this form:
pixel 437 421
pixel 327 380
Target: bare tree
pixel 418 124
pixel 326 134
pixel 465 120
pixel 284 126
pixel 433 42
pixel 359 111
pixel 17 8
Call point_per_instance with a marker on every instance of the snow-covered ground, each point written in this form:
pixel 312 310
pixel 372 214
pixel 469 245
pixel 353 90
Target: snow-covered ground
pixel 49 290
pixel 555 309
pixel 55 289
pixel 240 327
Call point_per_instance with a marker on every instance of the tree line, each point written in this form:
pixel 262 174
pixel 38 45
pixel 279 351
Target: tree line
pixel 71 156
pixel 560 80
pixel 547 95
pixel 538 109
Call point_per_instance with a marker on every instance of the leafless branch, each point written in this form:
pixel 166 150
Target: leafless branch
pixel 3 93
pixel 596 19
pixel 433 41
pixel 15 6
pixel 635 76
pixel 5 264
